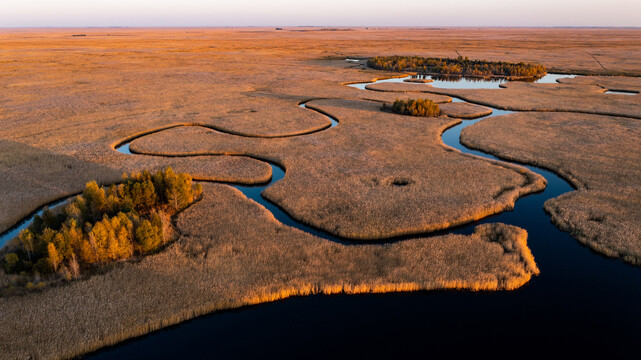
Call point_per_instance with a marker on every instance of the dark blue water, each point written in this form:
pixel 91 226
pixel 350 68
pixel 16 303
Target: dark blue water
pixel 14 231
pixel 620 92
pixel 582 304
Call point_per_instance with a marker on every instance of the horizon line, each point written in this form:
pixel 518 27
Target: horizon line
pixel 319 26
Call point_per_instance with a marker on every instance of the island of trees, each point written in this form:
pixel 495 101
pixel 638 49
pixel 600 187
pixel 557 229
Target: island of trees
pixel 457 67
pixel 418 107
pixel 102 225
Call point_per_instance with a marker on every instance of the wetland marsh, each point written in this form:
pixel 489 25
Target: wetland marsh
pixel 329 220
pixel 574 282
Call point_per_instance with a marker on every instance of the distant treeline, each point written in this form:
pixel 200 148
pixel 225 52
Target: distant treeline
pixel 418 107
pixel 459 66
pixel 103 225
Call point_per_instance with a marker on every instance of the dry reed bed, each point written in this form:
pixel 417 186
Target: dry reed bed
pixel 618 83
pixel 376 175
pixel 70 99
pixel 270 117
pixel 599 155
pixel 463 110
pixel 232 253
pixel 33 177
pixel 521 96
pixel 77 96
pixel 390 97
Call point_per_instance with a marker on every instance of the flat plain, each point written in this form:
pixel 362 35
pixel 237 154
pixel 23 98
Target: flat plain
pixel 222 103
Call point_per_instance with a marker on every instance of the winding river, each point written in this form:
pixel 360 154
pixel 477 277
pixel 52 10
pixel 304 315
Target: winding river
pixel 582 302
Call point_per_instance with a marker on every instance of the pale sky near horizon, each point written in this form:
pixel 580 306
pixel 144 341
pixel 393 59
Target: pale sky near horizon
pixel 141 13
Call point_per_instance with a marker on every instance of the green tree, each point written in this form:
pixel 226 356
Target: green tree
pixel 10 262
pixel 43 266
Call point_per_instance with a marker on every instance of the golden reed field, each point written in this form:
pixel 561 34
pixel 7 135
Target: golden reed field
pixel 222 104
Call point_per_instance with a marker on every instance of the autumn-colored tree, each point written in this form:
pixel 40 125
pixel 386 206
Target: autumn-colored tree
pixel 461 66
pixel 100 236
pixel 143 195
pixel 26 238
pixel 148 237
pixel 418 107
pixel 73 209
pixel 95 198
pixel 54 257
pixel 104 224
pixel 87 251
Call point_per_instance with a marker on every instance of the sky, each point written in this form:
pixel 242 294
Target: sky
pixel 143 13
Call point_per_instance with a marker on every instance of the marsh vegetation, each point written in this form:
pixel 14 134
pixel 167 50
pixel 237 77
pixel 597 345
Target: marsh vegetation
pixel 100 226
pixel 418 107
pixel 461 66
pixel 197 273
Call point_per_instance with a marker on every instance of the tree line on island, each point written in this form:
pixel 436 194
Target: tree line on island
pixel 418 107
pixel 456 67
pixel 102 225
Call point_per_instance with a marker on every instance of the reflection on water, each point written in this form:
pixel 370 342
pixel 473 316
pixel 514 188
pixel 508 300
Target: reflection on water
pixel 552 78
pixel 461 82
pixel 621 92
pixel 124 148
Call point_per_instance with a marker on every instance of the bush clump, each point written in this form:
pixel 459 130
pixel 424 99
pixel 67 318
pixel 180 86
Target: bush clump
pixel 459 67
pixel 102 225
pixel 418 107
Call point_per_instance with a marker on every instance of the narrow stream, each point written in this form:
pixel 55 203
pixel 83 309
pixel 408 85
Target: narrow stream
pixel 581 304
